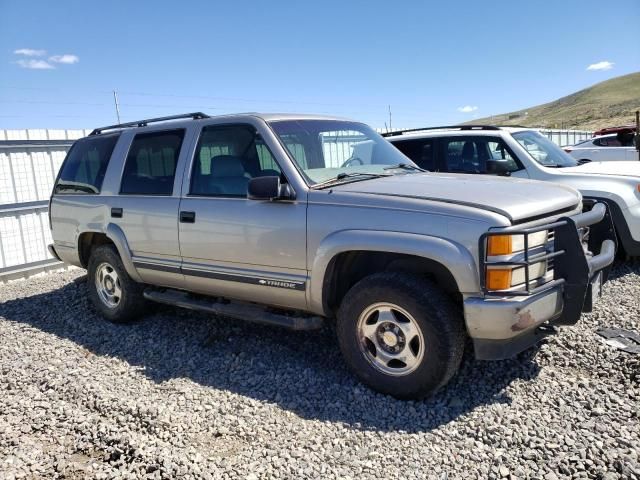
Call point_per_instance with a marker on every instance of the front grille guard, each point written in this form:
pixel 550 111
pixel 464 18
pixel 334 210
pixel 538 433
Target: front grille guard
pixel 528 261
pixel 572 269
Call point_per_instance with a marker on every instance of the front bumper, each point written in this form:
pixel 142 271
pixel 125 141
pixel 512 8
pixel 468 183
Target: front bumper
pixel 502 326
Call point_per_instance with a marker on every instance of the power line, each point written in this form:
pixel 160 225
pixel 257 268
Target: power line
pixel 372 107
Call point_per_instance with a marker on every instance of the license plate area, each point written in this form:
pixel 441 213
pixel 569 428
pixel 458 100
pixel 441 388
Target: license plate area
pixel 594 292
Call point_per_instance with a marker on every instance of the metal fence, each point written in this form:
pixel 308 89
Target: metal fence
pixel 29 162
pixel 566 137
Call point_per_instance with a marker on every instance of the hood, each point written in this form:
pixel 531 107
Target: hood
pixel 624 169
pixel 516 199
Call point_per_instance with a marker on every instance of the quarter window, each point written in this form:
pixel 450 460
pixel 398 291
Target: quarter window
pixel 226 158
pixel 151 163
pixel 86 163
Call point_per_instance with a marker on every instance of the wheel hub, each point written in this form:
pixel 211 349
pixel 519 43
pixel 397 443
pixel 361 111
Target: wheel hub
pixel 108 285
pixel 390 339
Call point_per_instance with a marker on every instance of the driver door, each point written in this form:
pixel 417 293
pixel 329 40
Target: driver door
pixel 232 246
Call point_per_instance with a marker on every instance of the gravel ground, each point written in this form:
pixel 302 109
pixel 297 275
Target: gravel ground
pixel 184 395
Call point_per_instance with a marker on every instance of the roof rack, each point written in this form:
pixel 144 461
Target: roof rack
pixel 144 123
pixel 446 127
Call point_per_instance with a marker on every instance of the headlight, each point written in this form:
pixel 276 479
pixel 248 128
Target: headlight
pixel 511 248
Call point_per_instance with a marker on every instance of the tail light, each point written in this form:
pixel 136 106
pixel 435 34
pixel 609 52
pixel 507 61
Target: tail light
pixel 49 212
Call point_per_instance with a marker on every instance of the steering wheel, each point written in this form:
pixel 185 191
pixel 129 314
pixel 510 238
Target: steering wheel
pixel 352 161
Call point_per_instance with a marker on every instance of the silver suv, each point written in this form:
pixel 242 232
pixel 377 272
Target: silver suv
pixel 291 220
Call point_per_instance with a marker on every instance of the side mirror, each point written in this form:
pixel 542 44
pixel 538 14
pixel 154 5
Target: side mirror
pixel 269 188
pixel 498 167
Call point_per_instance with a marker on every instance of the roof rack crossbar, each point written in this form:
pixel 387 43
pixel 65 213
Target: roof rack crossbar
pixel 445 127
pixel 144 123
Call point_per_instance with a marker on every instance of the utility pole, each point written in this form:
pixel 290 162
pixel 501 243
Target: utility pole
pixel 638 132
pixel 390 128
pixel 115 101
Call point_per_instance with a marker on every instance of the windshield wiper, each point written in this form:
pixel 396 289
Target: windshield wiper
pixel 405 166
pixel 349 177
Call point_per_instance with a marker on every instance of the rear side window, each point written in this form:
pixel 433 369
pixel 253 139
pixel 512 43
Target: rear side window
pixel 151 163
pixel 421 151
pixel 83 170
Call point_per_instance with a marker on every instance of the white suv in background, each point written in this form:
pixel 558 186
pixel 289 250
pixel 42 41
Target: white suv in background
pixel 605 148
pixel 526 153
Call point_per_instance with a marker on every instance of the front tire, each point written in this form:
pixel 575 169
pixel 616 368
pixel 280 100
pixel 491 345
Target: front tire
pixel 400 334
pixel 112 291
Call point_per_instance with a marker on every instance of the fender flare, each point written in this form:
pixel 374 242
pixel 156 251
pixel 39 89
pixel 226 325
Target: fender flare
pixel 454 257
pixel 116 235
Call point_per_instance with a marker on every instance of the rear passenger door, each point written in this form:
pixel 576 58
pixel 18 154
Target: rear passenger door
pixel 146 206
pixel 232 246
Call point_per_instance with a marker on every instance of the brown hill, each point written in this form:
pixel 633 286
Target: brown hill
pixel 609 103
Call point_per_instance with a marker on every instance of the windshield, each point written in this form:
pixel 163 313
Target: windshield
pixel 328 149
pixel 543 150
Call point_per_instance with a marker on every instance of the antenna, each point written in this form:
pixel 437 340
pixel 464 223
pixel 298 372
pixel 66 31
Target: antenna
pixel 389 117
pixel 115 100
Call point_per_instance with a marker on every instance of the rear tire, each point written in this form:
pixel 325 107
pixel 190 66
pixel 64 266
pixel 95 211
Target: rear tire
pixel 112 291
pixel 400 334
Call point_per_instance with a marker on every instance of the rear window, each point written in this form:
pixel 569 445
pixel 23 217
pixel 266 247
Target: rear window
pixel 83 170
pixel 151 163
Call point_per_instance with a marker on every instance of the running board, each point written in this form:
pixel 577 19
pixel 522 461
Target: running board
pixel 239 310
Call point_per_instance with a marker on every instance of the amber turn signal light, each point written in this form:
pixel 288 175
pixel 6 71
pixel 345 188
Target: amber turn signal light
pixel 500 245
pixel 499 279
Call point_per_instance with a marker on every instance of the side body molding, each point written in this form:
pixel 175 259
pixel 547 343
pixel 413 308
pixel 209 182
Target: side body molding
pixel 457 259
pixel 115 233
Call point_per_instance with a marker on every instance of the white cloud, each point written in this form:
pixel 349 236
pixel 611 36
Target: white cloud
pixel 467 109
pixel 42 64
pixel 66 58
pixel 35 64
pixel 30 52
pixel 604 65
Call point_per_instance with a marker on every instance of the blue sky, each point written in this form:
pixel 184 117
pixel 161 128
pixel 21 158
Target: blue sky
pixel 426 59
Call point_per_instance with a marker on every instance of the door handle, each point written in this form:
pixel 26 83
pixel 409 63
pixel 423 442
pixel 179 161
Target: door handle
pixel 116 213
pixel 187 217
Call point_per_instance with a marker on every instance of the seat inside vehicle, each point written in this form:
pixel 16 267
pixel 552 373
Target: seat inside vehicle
pixel 227 177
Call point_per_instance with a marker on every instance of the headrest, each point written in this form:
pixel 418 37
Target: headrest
pixel 467 150
pixel 227 166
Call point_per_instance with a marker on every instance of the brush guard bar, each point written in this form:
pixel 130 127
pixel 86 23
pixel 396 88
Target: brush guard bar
pixel 574 268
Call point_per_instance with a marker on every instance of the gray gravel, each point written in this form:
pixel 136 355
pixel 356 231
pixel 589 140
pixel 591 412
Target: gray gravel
pixel 186 395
